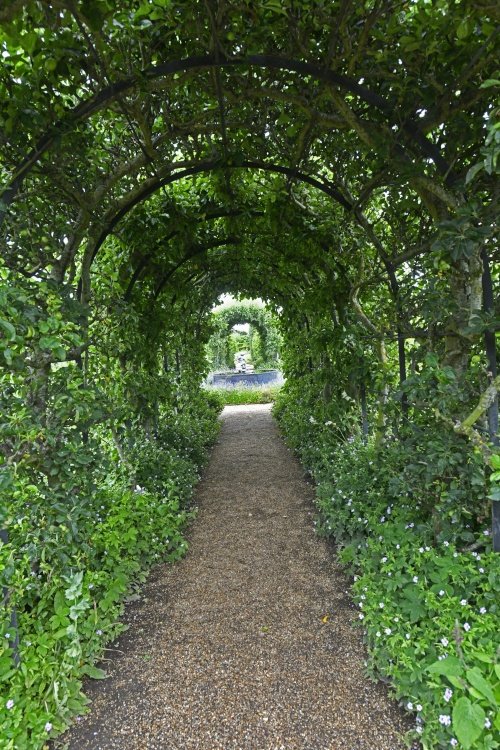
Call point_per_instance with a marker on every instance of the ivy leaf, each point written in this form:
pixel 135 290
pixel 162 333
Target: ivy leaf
pixel 468 721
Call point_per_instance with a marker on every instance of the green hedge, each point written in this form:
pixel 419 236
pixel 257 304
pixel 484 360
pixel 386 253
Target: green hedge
pixel 68 568
pixel 426 588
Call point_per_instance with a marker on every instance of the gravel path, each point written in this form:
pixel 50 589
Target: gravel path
pixel 227 649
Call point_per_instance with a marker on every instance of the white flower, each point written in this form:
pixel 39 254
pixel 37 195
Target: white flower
pixel 407 636
pixel 312 420
pixel 445 720
pixel 398 546
pixel 481 570
pixel 486 532
pixel 466 627
pixel 409 706
pixel 453 742
pixel 483 610
pixel 420 549
pixel 441 593
pixel 463 602
pixel 381 605
pixel 418 707
pixel 387 631
pixel 7 635
pixel 446 544
pixel 487 724
pixel 444 641
pixel 378 633
pixel 415 579
pixel 447 694
pixel 9 704
pixel 48 726
pixel 384 559
pixel 361 616
pixel 419 729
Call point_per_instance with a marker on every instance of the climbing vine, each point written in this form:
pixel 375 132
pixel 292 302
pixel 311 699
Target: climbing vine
pixel 337 160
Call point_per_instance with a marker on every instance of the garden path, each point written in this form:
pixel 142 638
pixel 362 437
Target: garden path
pixel 249 642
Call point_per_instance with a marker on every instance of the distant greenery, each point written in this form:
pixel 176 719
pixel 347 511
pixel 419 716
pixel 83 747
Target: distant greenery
pixel 262 341
pixel 264 394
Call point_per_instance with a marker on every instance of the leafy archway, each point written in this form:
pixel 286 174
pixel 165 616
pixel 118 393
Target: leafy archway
pixel 252 313
pixel 320 156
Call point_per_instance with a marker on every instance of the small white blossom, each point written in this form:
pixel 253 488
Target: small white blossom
pixel 378 633
pixel 9 704
pixel 409 706
pixel 463 602
pixel 445 720
pixel 381 605
pixel 361 616
pixel 415 579
pixel 418 707
pixel 398 546
pixel 48 726
pixel 407 636
pixel 446 544
pixel 387 631
pixel 483 610
pixel 481 570
pixel 453 742
pixel 444 641
pixel 441 593
pixel 384 559
pixel 466 627
pixel 487 724
pixel 420 549
pixel 447 694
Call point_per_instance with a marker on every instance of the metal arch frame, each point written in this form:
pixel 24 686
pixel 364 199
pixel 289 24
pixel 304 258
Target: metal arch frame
pixel 97 102
pixel 211 166
pixel 220 213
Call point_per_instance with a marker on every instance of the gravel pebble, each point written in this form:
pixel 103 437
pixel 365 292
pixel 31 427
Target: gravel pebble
pixel 249 643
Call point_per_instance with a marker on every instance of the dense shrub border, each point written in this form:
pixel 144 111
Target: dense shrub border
pixel 69 601
pixel 429 611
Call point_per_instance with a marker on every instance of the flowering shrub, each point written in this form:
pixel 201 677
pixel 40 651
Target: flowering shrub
pixel 425 581
pixel 68 567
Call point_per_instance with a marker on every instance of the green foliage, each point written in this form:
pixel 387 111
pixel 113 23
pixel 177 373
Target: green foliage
pixel 407 521
pixel 262 341
pixel 347 179
pixel 251 395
